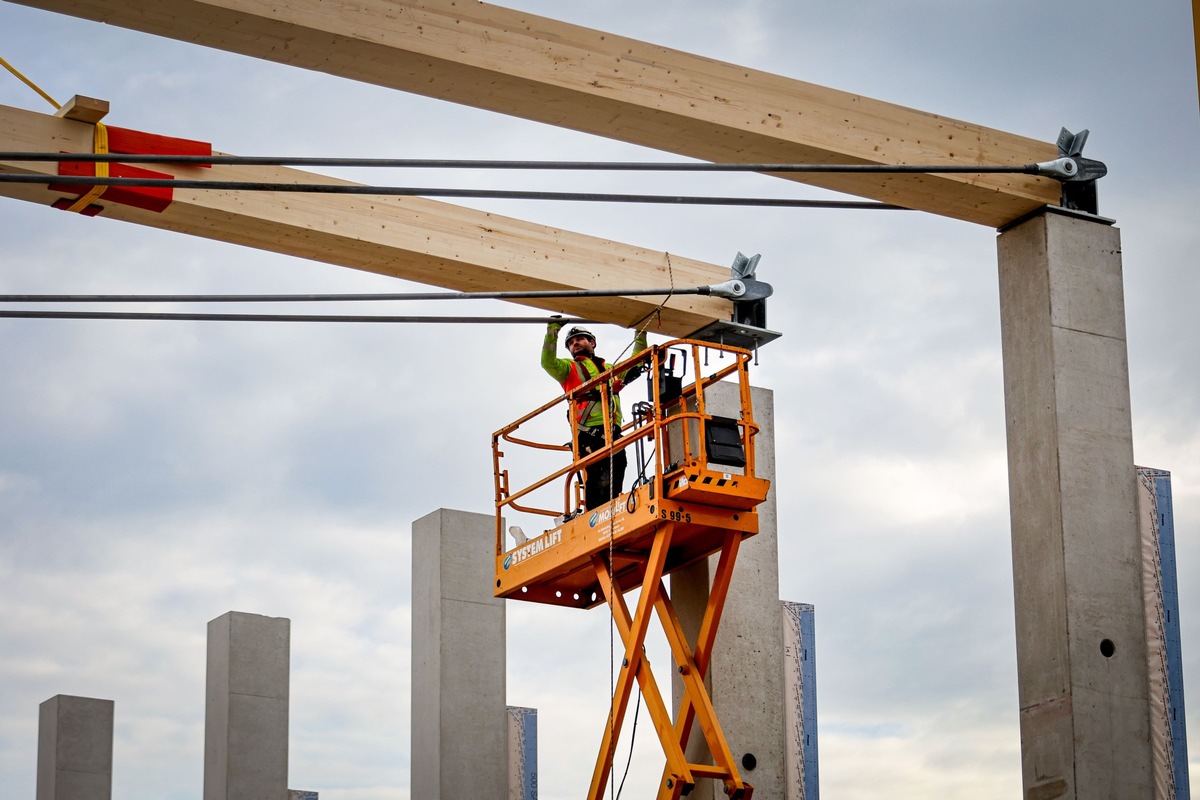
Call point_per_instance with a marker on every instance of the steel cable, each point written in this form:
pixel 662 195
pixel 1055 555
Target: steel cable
pixel 431 191
pixel 594 166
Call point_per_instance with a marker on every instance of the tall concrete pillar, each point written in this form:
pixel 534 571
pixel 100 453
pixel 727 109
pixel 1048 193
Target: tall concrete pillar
pixel 75 749
pixel 246 708
pixel 1081 652
pixel 459 716
pixel 746 675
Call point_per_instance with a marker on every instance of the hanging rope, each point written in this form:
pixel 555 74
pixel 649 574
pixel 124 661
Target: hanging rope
pixel 614 490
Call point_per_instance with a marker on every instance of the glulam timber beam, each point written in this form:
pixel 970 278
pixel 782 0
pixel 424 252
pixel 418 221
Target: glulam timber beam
pixel 541 69
pixel 413 238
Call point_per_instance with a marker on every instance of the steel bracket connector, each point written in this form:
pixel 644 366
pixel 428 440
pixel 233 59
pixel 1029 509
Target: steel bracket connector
pixel 732 289
pixel 747 327
pixel 751 307
pixel 1064 169
pixel 1077 174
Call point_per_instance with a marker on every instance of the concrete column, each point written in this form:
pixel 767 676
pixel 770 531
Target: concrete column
pixel 745 677
pixel 246 708
pixel 800 702
pixel 75 749
pixel 459 717
pixel 522 753
pixel 1081 646
pixel 1168 726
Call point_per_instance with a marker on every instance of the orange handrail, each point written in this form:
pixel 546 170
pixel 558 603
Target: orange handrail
pixel 687 409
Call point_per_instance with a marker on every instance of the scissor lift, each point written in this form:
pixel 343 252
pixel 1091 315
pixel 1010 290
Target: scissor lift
pixel 695 496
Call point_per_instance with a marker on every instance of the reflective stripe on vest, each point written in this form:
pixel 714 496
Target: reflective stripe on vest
pixel 584 407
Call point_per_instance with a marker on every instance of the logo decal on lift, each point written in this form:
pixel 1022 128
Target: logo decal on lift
pixel 536 547
pixel 601 515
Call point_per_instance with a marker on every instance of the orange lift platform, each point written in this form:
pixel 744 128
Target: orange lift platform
pixel 694 495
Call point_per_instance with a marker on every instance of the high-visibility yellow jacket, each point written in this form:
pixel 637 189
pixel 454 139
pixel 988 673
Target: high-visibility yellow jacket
pixel 570 373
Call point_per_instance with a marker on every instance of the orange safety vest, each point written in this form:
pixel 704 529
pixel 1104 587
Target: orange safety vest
pixel 585 404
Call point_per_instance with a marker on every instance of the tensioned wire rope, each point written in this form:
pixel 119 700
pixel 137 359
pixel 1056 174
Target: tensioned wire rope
pixel 350 318
pixel 502 164
pixel 435 191
pixel 1046 168
pixel 666 293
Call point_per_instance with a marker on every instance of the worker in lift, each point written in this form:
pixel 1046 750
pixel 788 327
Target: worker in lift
pixel 600 485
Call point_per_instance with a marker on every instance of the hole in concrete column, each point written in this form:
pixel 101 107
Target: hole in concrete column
pixel 1107 648
pixel 749 762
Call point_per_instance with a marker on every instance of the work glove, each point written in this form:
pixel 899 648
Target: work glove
pixel 639 344
pixel 554 326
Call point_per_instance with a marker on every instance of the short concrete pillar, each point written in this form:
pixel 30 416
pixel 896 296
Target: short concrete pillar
pixel 246 708
pixel 1081 644
pixel 75 749
pixel 459 717
pixel 745 676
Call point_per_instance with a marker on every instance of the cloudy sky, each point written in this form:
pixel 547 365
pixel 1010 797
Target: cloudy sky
pixel 155 475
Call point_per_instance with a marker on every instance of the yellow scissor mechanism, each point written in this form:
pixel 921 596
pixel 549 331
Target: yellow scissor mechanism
pixel 696 497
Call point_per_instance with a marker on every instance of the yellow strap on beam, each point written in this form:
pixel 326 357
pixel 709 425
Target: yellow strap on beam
pixel 100 147
pixel 99 142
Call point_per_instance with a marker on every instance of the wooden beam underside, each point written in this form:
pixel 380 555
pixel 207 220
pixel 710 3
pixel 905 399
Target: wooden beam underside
pixel 406 237
pixel 574 77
